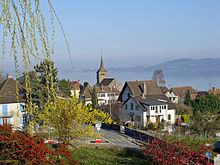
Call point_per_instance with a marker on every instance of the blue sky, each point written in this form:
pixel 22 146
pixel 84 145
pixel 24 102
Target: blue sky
pixel 136 32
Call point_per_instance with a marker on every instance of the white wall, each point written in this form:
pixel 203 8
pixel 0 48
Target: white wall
pixel 172 96
pixel 15 115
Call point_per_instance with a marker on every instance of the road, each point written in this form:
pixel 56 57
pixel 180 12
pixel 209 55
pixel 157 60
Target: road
pixel 118 139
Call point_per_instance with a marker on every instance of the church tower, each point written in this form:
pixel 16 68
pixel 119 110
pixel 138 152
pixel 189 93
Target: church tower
pixel 102 72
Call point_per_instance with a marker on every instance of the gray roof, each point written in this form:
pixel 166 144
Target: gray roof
pixel 153 102
pixel 106 82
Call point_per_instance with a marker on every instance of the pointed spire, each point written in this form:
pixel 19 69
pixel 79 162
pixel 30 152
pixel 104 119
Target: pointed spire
pixel 101 64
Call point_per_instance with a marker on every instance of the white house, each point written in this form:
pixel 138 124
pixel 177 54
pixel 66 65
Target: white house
pixel 143 110
pixel 11 105
pixel 172 96
pixel 105 95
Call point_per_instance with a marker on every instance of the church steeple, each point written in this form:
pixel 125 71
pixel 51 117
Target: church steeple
pixel 101 64
pixel 102 72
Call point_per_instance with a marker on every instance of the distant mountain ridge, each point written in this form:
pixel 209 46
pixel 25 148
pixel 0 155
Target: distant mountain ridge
pixel 205 67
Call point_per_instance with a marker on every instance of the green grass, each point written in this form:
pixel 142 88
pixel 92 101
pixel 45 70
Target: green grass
pixel 107 156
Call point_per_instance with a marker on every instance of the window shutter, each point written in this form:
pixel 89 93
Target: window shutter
pixel 21 120
pixel 1 121
pixel 21 107
pixel 4 110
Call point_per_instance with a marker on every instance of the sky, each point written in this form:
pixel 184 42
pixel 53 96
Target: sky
pixel 136 32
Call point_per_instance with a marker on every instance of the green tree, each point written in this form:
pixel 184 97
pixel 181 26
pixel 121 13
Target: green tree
pixel 35 85
pixel 188 100
pixel 65 86
pixel 47 74
pixel 85 84
pixel 209 103
pixel 94 97
pixel 205 123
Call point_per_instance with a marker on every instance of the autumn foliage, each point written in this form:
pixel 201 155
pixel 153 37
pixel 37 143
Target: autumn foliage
pixel 175 152
pixel 21 148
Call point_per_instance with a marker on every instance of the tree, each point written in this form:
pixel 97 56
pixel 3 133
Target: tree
pixel 47 74
pixel 205 123
pixel 94 97
pixel 187 100
pixel 65 86
pixel 72 120
pixel 159 77
pixel 85 84
pixel 209 103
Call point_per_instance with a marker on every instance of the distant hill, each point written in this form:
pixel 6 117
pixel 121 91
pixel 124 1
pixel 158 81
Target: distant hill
pixel 185 67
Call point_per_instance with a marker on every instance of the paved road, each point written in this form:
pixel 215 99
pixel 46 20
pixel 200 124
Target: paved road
pixel 118 139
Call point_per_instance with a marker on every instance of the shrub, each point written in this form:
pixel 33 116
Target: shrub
pixel 175 152
pixel 21 148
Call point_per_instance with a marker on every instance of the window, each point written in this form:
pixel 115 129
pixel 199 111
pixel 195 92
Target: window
pixel 156 110
pixel 174 98
pixel 108 94
pixel 138 118
pixel 129 95
pixel 102 95
pixel 132 106
pixel 126 106
pixel 6 120
pixel 136 107
pixel 169 117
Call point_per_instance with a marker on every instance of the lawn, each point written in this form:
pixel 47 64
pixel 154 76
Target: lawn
pixel 107 156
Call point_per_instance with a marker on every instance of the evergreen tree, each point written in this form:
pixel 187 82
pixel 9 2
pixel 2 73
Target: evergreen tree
pixel 65 86
pixel 42 81
pixel 94 97
pixel 188 98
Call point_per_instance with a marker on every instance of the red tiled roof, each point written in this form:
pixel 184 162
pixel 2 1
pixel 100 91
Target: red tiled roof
pixel 76 85
pixel 181 91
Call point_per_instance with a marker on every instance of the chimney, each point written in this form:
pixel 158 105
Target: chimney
pixel 144 88
pixel 213 89
pixel 9 75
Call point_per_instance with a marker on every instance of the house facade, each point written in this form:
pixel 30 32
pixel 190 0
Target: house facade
pixel 76 88
pixel 105 95
pixel 11 105
pixel 144 110
pixel 172 96
pixel 181 93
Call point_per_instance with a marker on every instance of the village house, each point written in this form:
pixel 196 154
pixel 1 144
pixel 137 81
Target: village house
pixel 215 91
pixel 143 102
pixel 76 88
pixel 105 95
pixel 180 92
pixel 149 109
pixel 11 104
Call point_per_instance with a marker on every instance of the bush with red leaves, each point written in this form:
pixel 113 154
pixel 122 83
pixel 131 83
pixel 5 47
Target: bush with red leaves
pixel 21 148
pixel 163 152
